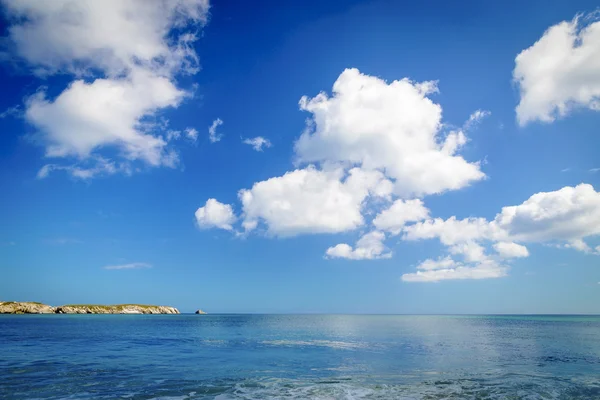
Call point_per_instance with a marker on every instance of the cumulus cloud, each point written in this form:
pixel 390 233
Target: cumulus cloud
pixel 368 247
pixel 394 127
pixel 567 214
pixel 400 212
pixel 431 271
pixel 135 265
pixel 215 215
pixel 258 142
pixel 568 76
pixel 310 200
pixel 369 144
pixel 125 74
pixel 564 218
pixel 511 249
pixel 213 136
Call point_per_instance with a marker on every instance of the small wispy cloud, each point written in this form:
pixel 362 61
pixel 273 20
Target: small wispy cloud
pixel 191 134
pixel 62 241
pixel 475 119
pixel 213 136
pixel 135 265
pixel 565 169
pixel 593 170
pixel 11 243
pixel 11 112
pixel 258 143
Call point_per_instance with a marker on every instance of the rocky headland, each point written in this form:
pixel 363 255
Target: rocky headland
pixel 13 307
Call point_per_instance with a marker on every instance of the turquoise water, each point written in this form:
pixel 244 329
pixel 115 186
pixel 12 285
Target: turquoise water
pixel 299 356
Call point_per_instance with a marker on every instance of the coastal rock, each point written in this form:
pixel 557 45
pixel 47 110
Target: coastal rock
pixel 27 307
pixel 115 309
pixel 13 307
pixel 200 312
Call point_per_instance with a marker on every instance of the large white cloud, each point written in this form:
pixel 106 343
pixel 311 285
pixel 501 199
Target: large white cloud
pixel 371 142
pixel 311 200
pixel 393 127
pixel 88 116
pixel 129 53
pixel 560 72
pixel 368 247
pixel 112 35
pixel 215 215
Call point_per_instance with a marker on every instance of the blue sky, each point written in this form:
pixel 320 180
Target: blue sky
pixel 469 187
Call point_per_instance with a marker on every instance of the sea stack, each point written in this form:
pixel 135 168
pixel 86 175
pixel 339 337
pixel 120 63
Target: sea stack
pixel 200 312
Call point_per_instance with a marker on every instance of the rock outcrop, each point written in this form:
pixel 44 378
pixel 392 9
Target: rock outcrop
pixel 115 309
pixel 200 312
pixel 12 307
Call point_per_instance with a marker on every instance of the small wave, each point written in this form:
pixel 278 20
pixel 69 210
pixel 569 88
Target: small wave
pixel 334 344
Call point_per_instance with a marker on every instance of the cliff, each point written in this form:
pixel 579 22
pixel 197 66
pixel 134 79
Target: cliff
pixel 12 307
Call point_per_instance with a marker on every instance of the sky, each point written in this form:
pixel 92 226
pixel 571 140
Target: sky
pixel 301 157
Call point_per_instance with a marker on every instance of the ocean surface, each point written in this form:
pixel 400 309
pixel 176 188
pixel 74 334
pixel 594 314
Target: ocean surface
pixel 299 357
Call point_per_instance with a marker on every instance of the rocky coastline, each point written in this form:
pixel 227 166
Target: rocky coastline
pixel 14 307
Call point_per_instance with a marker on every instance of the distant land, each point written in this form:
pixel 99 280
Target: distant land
pixel 29 307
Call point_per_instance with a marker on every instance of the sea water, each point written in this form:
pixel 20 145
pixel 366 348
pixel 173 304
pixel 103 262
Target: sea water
pixel 299 357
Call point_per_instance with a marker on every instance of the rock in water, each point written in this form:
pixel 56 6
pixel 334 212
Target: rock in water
pixel 200 312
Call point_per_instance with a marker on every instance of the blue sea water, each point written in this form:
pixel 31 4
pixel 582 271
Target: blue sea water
pixel 299 356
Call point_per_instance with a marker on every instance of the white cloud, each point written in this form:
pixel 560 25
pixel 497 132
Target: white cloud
pixel 485 270
pixel 106 112
pixel 258 142
pixel 476 118
pixel 440 263
pixel 213 136
pixel 559 72
pixel 564 215
pixel 215 215
pixel 129 65
pixel 368 247
pixel 470 250
pixel 511 250
pixel 310 200
pixel 401 211
pixel 452 231
pixel 135 265
pixel 98 167
pixel 594 170
pixel 393 127
pixel 11 112
pixel 191 134
pixel 73 35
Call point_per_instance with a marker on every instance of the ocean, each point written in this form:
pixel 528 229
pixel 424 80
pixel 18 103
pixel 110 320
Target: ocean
pixel 299 357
